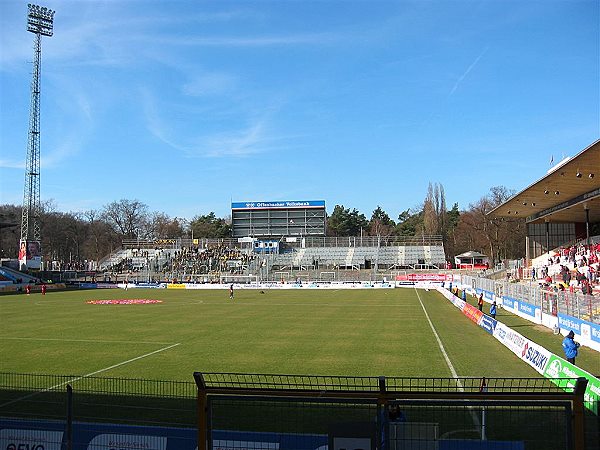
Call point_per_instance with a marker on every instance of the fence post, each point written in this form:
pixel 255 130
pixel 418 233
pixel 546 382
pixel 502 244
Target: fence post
pixel 382 417
pixel 579 414
pixel 202 411
pixel 69 424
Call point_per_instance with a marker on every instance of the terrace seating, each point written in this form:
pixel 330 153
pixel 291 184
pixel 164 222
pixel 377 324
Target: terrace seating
pixel 357 257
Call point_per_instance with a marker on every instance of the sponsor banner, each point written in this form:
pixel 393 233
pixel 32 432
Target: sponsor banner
pixel 511 339
pixel 224 444
pixel 269 286
pixel 30 439
pixel 528 309
pixel 127 441
pixel 509 302
pixel 106 286
pixel 588 330
pixel 530 352
pixel 281 204
pixel 438 277
pixel 536 356
pixel 145 285
pixel 558 368
pixel 488 323
pixel 472 313
pixel 49 435
pixel 569 323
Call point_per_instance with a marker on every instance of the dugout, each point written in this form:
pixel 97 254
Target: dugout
pixel 276 219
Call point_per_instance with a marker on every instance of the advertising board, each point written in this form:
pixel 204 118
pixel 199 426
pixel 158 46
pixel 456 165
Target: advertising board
pixel 580 327
pixel 511 339
pixel 18 434
pixel 509 302
pixel 30 439
pixel 279 204
pixel 558 368
pixel 488 324
pixel 528 309
pixel 472 313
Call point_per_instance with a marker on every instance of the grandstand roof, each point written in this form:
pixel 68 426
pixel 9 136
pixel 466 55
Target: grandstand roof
pixel 563 194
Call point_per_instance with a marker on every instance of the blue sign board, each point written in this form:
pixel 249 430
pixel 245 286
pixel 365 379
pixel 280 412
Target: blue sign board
pixel 572 323
pixel 38 435
pixel 508 301
pixel 527 308
pixel 488 323
pixel 279 204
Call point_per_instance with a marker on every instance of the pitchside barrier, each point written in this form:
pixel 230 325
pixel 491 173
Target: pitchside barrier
pixel 563 311
pixel 540 359
pixel 225 411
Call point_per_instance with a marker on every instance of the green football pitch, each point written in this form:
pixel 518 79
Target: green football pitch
pixel 326 332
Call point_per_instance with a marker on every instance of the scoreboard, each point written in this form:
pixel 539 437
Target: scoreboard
pixel 276 219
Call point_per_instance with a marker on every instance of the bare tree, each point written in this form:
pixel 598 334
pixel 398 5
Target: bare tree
pixel 499 239
pixel 434 210
pixel 164 227
pixel 129 218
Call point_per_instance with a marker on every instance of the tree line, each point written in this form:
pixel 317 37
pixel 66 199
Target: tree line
pixel 93 234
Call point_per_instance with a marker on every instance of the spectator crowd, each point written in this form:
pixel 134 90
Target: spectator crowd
pixel 573 268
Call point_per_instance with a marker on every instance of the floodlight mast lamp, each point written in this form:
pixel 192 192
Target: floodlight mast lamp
pixel 39 22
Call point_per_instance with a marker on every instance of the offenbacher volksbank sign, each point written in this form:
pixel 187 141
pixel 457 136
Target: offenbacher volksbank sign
pixel 279 204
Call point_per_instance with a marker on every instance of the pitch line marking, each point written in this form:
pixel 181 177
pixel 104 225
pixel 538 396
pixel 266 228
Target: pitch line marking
pixel 92 341
pixel 439 341
pixel 89 375
pixel 448 362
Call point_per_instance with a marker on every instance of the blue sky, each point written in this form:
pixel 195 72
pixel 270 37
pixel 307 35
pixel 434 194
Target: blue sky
pixel 189 105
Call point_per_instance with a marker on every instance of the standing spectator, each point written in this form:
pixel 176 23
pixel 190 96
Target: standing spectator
pixel 480 302
pixel 570 347
pixel 493 310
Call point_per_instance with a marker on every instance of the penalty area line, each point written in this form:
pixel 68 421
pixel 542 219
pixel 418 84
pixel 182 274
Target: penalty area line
pixel 89 375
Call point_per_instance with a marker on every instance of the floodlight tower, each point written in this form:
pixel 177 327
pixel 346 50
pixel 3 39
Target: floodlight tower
pixel 39 22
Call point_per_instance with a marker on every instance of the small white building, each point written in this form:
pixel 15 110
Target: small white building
pixel 471 260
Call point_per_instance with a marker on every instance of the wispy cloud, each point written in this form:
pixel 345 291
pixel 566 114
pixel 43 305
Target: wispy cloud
pixel 12 164
pixel 246 41
pixel 239 142
pixel 210 84
pixel 469 69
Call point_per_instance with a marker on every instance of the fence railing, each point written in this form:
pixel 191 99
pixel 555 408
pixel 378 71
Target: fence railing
pixel 255 411
pixel 309 241
pixel 392 413
pixel 585 307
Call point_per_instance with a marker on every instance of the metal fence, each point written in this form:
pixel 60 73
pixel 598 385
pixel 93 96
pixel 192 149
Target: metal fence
pixel 585 307
pixel 232 411
pixel 309 241
pixel 392 413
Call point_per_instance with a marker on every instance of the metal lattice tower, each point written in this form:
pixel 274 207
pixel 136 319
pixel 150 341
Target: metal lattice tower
pixel 39 22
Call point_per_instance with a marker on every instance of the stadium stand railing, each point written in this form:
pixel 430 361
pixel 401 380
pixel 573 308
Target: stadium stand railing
pixel 180 259
pixel 553 302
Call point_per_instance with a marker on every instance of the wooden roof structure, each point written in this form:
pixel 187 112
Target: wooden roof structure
pixel 563 194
